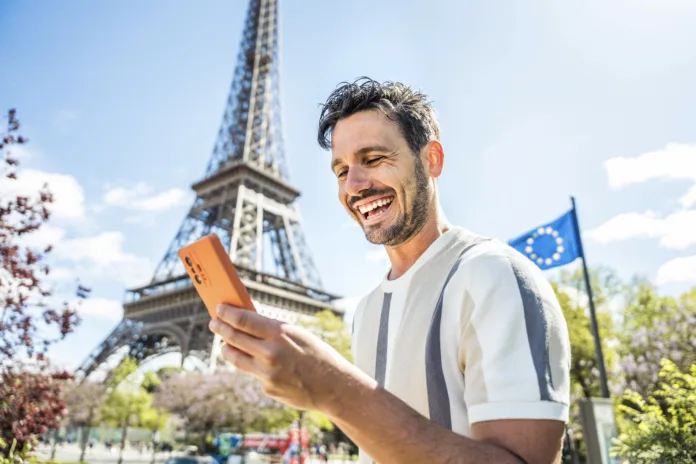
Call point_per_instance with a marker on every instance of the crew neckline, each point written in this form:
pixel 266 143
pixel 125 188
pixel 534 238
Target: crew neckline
pixel 441 242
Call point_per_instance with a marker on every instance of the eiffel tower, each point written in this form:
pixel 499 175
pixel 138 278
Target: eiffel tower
pixel 247 200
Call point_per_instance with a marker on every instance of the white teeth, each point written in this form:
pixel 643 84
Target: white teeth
pixel 375 204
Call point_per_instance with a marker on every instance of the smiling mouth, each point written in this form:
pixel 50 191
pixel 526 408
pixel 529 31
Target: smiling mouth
pixel 376 208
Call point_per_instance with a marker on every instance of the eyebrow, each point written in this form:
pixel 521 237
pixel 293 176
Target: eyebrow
pixel 361 152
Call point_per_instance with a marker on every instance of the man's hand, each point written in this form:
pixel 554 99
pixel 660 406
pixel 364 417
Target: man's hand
pixel 298 369
pixel 293 365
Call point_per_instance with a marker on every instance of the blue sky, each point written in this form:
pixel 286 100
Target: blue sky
pixel 537 101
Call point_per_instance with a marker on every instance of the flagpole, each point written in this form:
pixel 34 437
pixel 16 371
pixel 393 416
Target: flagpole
pixel 593 314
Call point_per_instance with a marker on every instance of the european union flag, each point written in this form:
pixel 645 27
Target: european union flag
pixel 550 245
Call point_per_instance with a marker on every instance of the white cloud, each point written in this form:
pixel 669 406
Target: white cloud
pixel 68 196
pixel 103 255
pixel 675 231
pixel 99 307
pixel 19 152
pixel 689 199
pixel 46 235
pixel 141 198
pixel 675 161
pixel 682 269
pixel 59 273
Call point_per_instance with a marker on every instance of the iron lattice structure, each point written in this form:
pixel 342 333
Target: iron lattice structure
pixel 247 200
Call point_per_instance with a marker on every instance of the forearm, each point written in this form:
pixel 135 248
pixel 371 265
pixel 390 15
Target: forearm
pixel 390 431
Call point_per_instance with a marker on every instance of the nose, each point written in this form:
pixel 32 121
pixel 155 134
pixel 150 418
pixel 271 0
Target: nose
pixel 357 181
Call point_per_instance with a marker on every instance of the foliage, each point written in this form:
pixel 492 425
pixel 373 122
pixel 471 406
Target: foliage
pixel 153 419
pixel 22 268
pixel 606 285
pixel 663 428
pixel 30 402
pixel 652 327
pixel 129 403
pixel 30 405
pixel 584 372
pixel 332 330
pixel 315 422
pixel 83 401
pixel 209 401
pixel 274 419
pixel 655 328
pixel 151 382
pixel 124 401
pixel 11 458
pixel 281 417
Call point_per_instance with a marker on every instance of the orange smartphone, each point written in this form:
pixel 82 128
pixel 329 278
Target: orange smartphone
pixel 213 274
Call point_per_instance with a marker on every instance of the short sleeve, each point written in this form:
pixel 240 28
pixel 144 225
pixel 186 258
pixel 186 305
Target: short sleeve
pixel 514 348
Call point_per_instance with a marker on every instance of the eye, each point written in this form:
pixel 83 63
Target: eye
pixel 341 173
pixel 375 160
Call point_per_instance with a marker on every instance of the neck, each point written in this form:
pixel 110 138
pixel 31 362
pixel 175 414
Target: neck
pixel 403 256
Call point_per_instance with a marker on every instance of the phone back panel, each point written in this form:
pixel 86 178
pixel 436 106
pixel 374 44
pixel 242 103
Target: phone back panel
pixel 213 274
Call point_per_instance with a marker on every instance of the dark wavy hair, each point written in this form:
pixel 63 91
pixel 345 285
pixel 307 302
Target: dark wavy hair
pixel 407 107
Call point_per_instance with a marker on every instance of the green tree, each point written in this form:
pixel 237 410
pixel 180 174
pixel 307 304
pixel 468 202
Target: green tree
pixel 151 382
pixel 207 402
pixel 154 420
pixel 331 329
pixel 125 400
pixel 31 319
pixel 663 425
pixel 606 285
pixel 83 402
pixel 656 327
pixel 584 373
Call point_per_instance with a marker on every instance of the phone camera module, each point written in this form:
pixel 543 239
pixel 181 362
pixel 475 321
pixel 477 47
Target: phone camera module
pixel 189 262
pixel 198 279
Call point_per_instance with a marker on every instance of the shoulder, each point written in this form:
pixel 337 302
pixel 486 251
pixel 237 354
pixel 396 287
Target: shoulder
pixel 491 263
pixel 492 277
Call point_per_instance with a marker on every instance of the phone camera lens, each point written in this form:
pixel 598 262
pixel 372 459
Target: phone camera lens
pixel 188 261
pixel 198 279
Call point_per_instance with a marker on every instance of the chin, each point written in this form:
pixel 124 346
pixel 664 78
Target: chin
pixel 380 234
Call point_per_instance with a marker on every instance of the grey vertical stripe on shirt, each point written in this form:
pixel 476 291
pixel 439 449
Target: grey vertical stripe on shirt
pixel 382 340
pixel 537 329
pixel 438 397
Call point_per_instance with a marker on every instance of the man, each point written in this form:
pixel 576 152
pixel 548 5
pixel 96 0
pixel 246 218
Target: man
pixel 461 352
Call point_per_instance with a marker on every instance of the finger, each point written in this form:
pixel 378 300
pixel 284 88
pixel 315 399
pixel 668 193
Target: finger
pixel 250 345
pixel 240 360
pixel 249 322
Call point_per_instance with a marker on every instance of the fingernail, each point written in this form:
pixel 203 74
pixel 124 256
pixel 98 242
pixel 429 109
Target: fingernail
pixel 218 310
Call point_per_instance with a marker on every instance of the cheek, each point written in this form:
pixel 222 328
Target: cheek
pixel 341 192
pixel 342 198
pixel 407 192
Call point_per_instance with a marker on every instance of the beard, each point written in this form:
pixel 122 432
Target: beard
pixel 412 220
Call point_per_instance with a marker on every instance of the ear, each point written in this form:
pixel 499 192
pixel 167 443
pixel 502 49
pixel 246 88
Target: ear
pixel 433 158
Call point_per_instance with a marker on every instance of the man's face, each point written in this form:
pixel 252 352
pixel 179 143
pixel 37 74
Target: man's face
pixel 381 183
